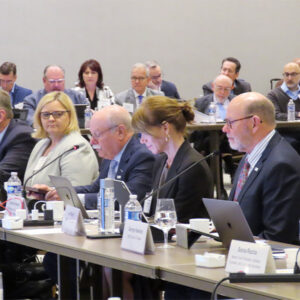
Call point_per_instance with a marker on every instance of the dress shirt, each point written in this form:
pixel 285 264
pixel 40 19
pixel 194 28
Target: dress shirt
pixel 221 108
pixel 136 95
pixel 257 151
pixel 2 133
pixel 292 94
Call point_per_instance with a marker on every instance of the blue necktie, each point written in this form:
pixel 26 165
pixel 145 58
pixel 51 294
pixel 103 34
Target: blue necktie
pixel 140 98
pixel 113 167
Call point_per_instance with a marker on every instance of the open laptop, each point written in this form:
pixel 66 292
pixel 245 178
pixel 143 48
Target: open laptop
pixel 229 221
pixel 67 193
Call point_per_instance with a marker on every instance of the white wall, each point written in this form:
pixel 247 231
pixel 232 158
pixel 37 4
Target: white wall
pixel 189 38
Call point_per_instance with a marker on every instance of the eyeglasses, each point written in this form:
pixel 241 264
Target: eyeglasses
pixel 286 74
pixel 220 88
pixel 229 123
pixel 156 77
pixel 138 78
pixel 55 114
pixel 52 81
pixel 98 135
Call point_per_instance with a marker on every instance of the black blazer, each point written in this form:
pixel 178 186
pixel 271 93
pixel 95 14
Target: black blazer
pixel 169 89
pixel 270 196
pixel 189 188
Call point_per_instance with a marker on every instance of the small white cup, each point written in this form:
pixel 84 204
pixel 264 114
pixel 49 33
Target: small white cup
pixel 291 257
pixel 34 214
pixel 200 224
pixel 58 209
pixel 21 213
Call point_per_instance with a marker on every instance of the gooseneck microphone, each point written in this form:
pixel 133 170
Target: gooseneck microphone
pixel 179 174
pixel 75 147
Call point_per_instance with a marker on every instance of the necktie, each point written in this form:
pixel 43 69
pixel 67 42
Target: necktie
pixel 242 179
pixel 113 166
pixel 140 97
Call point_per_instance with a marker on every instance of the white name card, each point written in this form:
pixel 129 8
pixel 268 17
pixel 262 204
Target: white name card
pixel 137 237
pixel 250 258
pixel 128 107
pixel 72 221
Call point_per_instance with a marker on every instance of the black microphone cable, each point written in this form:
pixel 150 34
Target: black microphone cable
pixel 214 295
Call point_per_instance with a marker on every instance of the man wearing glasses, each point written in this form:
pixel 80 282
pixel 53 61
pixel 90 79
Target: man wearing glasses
pixel 8 77
pixel 280 96
pixel 230 67
pixel 132 98
pixel 267 181
pixel 54 80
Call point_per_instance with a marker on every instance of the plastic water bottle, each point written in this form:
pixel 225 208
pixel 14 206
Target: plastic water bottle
pixel 212 111
pixel 106 206
pixel 14 185
pixel 291 110
pixel 87 116
pixel 133 209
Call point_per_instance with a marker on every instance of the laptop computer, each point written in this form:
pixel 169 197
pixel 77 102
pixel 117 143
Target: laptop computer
pixel 229 221
pixel 67 193
pixel 79 108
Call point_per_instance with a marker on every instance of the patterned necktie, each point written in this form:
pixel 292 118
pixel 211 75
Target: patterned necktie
pixel 242 179
pixel 112 169
pixel 140 97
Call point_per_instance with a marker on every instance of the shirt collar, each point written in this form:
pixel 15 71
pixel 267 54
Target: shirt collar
pixel 119 155
pixel 136 94
pixel 293 94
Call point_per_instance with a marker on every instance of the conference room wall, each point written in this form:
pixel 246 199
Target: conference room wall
pixel 189 38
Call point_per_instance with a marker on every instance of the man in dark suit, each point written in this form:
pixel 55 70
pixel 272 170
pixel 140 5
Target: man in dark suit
pixel 113 139
pixel 231 68
pixel 8 77
pixel 16 143
pixel 267 181
pixel 157 83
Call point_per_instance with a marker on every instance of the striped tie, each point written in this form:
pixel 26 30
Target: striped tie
pixel 242 179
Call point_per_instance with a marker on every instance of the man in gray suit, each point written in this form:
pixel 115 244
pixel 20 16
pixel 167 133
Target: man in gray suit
pixel 132 98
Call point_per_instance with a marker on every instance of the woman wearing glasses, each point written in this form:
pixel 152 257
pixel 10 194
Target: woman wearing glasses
pixel 56 125
pixel 91 85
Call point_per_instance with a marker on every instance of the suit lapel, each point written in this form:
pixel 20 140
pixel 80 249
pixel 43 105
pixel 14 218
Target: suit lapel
pixel 130 98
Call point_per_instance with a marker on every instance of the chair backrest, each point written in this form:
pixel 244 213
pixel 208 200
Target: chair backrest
pixel 20 114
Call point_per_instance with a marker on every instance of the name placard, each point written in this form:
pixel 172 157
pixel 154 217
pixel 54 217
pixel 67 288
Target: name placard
pixel 72 221
pixel 250 258
pixel 137 237
pixel 128 107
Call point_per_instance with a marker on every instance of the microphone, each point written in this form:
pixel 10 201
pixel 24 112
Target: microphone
pixel 75 147
pixel 179 174
pixel 242 277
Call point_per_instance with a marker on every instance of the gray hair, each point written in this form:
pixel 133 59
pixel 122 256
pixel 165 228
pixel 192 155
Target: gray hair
pixel 50 66
pixel 141 65
pixel 5 104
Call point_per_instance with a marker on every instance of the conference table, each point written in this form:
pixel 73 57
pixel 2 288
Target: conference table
pixel 214 130
pixel 173 264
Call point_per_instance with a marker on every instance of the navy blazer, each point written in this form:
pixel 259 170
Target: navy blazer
pixel 270 196
pixel 19 94
pixel 169 89
pixel 135 169
pixel 189 188
pixel 15 149
pixel 240 86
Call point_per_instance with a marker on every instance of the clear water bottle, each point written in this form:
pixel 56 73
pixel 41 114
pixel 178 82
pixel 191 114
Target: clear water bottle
pixel 106 206
pixel 291 110
pixel 133 209
pixel 14 185
pixel 212 111
pixel 88 113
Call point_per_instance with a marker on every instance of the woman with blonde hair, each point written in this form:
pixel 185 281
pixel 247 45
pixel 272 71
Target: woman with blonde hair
pixel 162 123
pixel 56 125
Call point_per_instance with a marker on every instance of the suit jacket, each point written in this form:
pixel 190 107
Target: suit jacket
pixel 169 89
pixel 240 86
pixel 15 149
pixel 19 94
pixel 31 101
pixel 202 103
pixel 79 166
pixel 270 196
pixel 129 97
pixel 189 188
pixel 135 169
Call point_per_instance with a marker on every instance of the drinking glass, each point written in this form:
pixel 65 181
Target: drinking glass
pixel 165 217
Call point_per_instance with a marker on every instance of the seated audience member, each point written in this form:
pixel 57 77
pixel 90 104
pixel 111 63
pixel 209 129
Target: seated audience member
pixel 91 85
pixel 157 83
pixel 266 183
pixel 280 82
pixel 56 125
pixel 54 80
pixel 124 156
pixel 132 98
pixel 162 122
pixel 16 143
pixel 231 68
pixel 8 77
pixel 280 96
